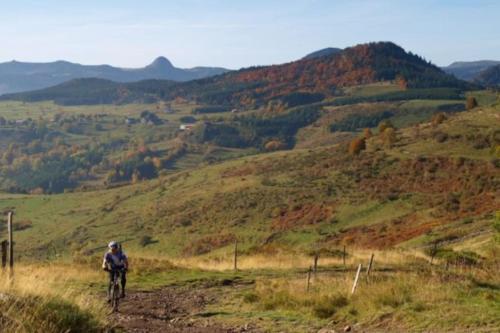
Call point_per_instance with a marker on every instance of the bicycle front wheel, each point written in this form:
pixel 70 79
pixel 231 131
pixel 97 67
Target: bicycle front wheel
pixel 115 297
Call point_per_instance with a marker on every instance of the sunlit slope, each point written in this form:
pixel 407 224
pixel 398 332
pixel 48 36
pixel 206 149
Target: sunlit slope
pixel 434 182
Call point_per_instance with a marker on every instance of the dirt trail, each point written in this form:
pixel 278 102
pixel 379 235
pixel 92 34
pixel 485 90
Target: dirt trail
pixel 173 309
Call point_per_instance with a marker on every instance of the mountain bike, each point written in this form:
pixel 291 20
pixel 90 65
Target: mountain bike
pixel 114 290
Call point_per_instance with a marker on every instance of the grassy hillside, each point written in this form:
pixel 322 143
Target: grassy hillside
pixel 48 148
pixel 422 197
pixel 490 77
pixel 432 182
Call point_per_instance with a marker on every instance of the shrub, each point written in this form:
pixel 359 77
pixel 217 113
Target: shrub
pixel 356 146
pixel 274 145
pixel 496 226
pixel 438 119
pixel 145 240
pixel 53 314
pixel 480 142
pixel 211 109
pixel 452 202
pixel 395 296
pixel 300 98
pixel 470 103
pixel 440 137
pixel 250 297
pixel 389 136
pixel 187 119
pixel 383 125
pixel 22 225
pixel 327 306
pixel 354 122
pixel 467 258
pixel 150 117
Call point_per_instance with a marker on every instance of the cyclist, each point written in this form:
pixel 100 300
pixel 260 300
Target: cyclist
pixel 114 260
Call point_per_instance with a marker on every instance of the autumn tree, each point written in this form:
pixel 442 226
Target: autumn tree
pixel 383 125
pixel 367 133
pixel 438 119
pixel 357 145
pixel 157 162
pixel 389 136
pixel 136 177
pixel 401 82
pixel 273 145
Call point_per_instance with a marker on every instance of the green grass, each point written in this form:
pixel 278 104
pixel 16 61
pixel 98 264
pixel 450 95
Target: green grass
pixel 372 89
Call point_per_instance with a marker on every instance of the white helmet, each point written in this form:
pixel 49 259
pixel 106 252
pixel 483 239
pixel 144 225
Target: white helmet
pixel 113 245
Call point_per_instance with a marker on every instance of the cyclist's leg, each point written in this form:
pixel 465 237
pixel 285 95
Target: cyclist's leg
pixel 110 284
pixel 123 282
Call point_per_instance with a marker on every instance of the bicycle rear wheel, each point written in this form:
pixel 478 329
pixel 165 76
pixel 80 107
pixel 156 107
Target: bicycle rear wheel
pixel 115 297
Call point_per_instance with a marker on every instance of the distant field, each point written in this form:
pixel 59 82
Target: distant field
pixel 372 89
pixel 13 110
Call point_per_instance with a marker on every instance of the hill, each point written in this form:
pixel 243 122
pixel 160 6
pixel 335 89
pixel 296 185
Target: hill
pixel 300 82
pixel 404 175
pixel 92 91
pixel 323 52
pixel 22 76
pixel 469 70
pixel 418 185
pixel 490 77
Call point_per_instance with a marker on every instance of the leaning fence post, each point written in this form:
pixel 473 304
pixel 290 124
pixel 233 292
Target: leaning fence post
pixel 343 257
pixel 11 241
pixel 356 280
pixel 308 278
pixel 236 255
pixel 370 265
pixel 433 252
pixel 4 253
pixel 316 257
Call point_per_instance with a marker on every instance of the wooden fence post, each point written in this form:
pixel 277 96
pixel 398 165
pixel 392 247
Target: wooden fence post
pixel 433 252
pixel 11 240
pixel 235 255
pixel 370 265
pixel 343 257
pixel 308 278
pixel 356 280
pixel 4 254
pixel 316 257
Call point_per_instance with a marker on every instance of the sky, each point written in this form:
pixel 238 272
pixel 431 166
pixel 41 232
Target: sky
pixel 241 33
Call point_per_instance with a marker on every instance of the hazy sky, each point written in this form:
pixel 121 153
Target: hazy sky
pixel 234 33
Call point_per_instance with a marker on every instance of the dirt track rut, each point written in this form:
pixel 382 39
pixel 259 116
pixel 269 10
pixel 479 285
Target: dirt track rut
pixel 172 309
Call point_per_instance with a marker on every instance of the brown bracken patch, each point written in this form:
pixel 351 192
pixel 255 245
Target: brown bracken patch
pixel 302 215
pixel 385 235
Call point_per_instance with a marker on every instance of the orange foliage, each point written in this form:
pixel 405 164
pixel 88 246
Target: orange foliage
pixel 356 146
pixel 273 145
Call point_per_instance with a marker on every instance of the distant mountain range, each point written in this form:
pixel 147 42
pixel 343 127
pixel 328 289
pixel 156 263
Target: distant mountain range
pixel 469 70
pixel 489 77
pixel 299 82
pixel 23 76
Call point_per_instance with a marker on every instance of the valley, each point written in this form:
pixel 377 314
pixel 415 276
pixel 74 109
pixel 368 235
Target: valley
pixel 365 152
